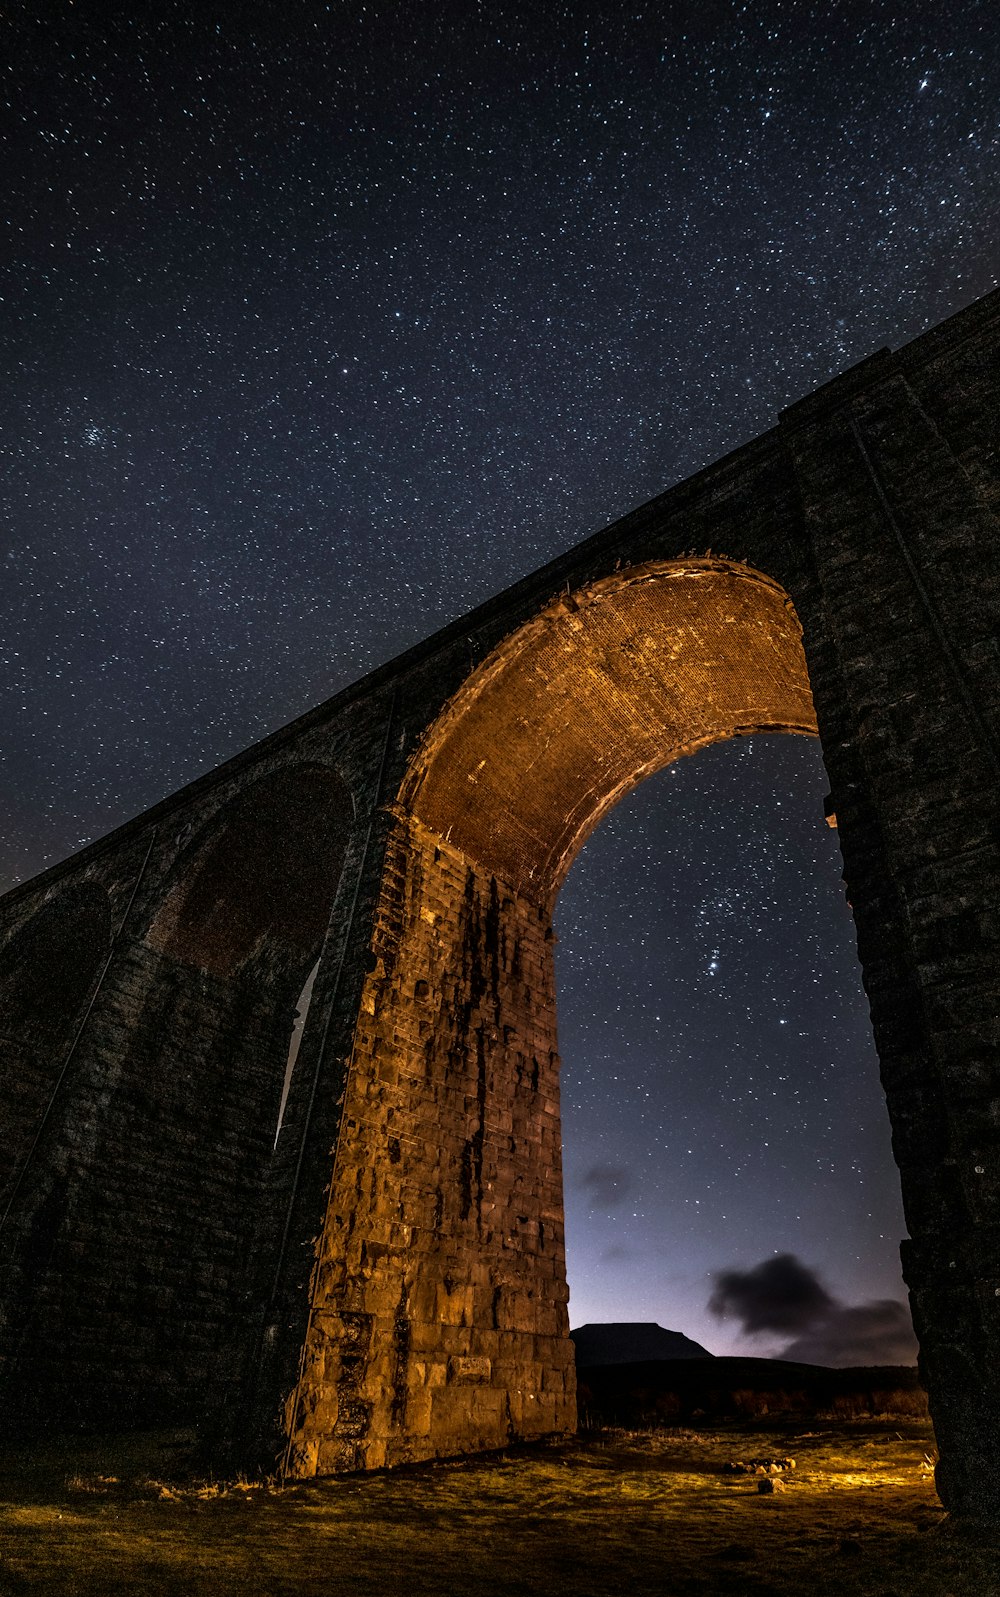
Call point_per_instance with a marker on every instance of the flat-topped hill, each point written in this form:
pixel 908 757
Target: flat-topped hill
pixel 629 1341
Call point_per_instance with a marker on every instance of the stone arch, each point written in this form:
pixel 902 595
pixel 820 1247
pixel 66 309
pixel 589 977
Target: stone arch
pixel 178 1080
pixel 49 967
pixel 600 690
pixel 50 963
pixel 442 1261
pixel 262 870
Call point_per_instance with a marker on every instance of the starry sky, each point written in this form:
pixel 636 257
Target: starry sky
pixel 721 1097
pixel 323 323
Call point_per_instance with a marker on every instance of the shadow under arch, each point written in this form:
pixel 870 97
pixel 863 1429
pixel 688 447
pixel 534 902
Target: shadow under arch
pixel 442 1266
pixel 266 865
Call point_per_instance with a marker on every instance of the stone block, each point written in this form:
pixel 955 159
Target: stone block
pixel 469 1369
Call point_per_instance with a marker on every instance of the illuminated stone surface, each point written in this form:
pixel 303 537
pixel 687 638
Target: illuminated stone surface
pixel 387 1282
pixel 606 686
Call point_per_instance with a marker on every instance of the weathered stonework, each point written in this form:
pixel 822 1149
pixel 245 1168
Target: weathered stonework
pixel 386 1281
pixel 438 1319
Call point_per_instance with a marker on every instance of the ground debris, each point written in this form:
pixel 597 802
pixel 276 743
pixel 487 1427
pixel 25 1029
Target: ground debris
pixel 758 1466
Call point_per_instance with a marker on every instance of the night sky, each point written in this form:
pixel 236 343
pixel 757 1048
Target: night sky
pixel 321 325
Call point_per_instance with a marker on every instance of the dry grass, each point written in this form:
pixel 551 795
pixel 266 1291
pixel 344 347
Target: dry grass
pixel 615 1512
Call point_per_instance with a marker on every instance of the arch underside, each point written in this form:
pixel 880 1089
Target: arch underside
pixel 438 1323
pixel 602 689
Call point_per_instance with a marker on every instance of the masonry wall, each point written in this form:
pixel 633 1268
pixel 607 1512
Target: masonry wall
pixel 906 688
pixel 49 970
pixel 141 1126
pixel 136 1241
pixel 439 1322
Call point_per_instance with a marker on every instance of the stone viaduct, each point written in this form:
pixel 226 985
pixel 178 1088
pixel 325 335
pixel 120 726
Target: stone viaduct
pixel 383 1280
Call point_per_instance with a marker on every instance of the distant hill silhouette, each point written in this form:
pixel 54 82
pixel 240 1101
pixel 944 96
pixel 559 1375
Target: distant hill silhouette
pixel 686 1391
pixel 632 1342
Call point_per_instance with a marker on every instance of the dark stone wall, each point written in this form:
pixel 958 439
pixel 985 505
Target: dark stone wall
pixel 905 686
pixel 145 1211
pixel 142 1139
pixel 49 969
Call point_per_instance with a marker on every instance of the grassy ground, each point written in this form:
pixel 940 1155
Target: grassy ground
pixel 611 1513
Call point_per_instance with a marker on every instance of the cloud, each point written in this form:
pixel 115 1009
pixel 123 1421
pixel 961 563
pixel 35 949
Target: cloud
pixel 877 1332
pixel 606 1184
pixel 783 1295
